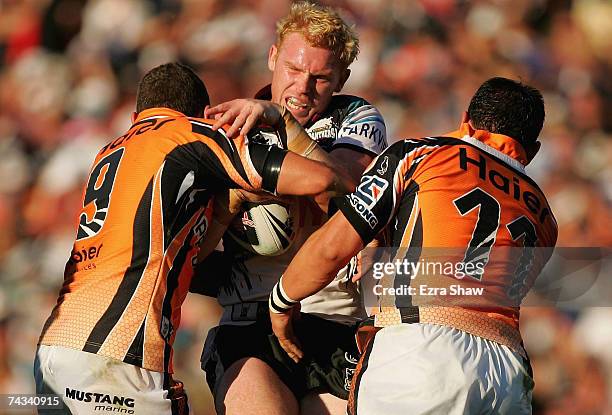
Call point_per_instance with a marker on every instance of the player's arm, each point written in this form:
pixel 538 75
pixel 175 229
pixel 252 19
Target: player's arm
pixel 325 252
pixel 252 166
pixel 244 114
pixel 352 162
pixel 283 173
pixel 363 214
pixel 226 206
pixel 272 169
pixel 287 173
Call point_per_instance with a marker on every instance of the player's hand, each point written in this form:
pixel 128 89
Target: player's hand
pixel 282 325
pixel 243 114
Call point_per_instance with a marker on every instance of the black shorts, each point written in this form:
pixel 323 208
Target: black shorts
pixel 330 354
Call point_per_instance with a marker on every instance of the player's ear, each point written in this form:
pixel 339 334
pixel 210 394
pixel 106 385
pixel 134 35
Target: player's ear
pixel 134 116
pixel 272 54
pixel 343 78
pixel 465 120
pixel 532 150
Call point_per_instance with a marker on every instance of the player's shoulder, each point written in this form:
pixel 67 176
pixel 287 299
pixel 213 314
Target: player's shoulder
pixel 203 127
pixel 430 142
pixel 200 125
pixel 259 135
pixel 350 102
pixel 349 120
pixel 148 128
pixel 342 106
pixel 419 150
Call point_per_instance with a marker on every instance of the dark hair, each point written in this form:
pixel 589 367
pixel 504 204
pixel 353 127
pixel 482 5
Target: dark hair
pixel 508 107
pixel 175 86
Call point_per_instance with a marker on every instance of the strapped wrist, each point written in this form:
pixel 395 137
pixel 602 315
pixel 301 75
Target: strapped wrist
pixel 279 301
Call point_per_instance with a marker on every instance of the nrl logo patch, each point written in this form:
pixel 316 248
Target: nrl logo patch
pixel 383 166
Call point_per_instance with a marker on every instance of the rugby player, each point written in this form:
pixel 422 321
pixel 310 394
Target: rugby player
pixel 466 189
pixel 107 346
pixel 245 369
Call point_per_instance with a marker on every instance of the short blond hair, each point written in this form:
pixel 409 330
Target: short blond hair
pixel 322 27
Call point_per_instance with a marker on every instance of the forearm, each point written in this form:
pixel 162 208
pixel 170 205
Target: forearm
pixel 308 273
pixel 339 186
pixel 302 177
pixel 299 141
pixel 319 259
pixel 226 206
pixel 310 270
pixel 313 268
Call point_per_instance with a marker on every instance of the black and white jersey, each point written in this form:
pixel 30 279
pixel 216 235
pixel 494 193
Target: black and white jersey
pixel 349 122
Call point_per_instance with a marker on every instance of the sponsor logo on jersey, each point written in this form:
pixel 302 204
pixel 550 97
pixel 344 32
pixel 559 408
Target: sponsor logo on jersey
pixel 348 378
pixel 201 226
pixel 350 358
pixel 349 371
pixel 105 402
pixel 371 189
pixel 367 194
pixel 324 132
pixel 363 211
pixel 85 254
pixel 509 184
pixel 323 128
pixel 366 130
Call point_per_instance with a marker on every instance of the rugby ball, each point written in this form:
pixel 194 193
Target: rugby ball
pixel 264 229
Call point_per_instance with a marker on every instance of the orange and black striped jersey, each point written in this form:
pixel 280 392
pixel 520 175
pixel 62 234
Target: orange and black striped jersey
pixel 145 208
pixel 469 195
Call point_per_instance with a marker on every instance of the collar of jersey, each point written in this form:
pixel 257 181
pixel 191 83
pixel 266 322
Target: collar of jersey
pixel 157 113
pixel 507 146
pixel 265 93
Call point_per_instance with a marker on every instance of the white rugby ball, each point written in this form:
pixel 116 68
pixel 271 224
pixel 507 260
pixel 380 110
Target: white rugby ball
pixel 264 229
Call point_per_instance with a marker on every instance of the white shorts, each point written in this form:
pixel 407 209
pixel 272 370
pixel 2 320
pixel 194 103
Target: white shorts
pixel 430 369
pixel 92 384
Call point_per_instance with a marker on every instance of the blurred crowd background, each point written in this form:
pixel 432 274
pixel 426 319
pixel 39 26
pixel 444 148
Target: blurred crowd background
pixel 69 70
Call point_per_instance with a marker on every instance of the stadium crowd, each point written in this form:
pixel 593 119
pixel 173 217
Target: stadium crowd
pixel 68 76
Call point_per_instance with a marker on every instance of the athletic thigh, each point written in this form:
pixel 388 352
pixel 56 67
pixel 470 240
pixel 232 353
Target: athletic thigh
pixel 227 344
pixel 327 367
pixel 251 386
pixel 322 404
